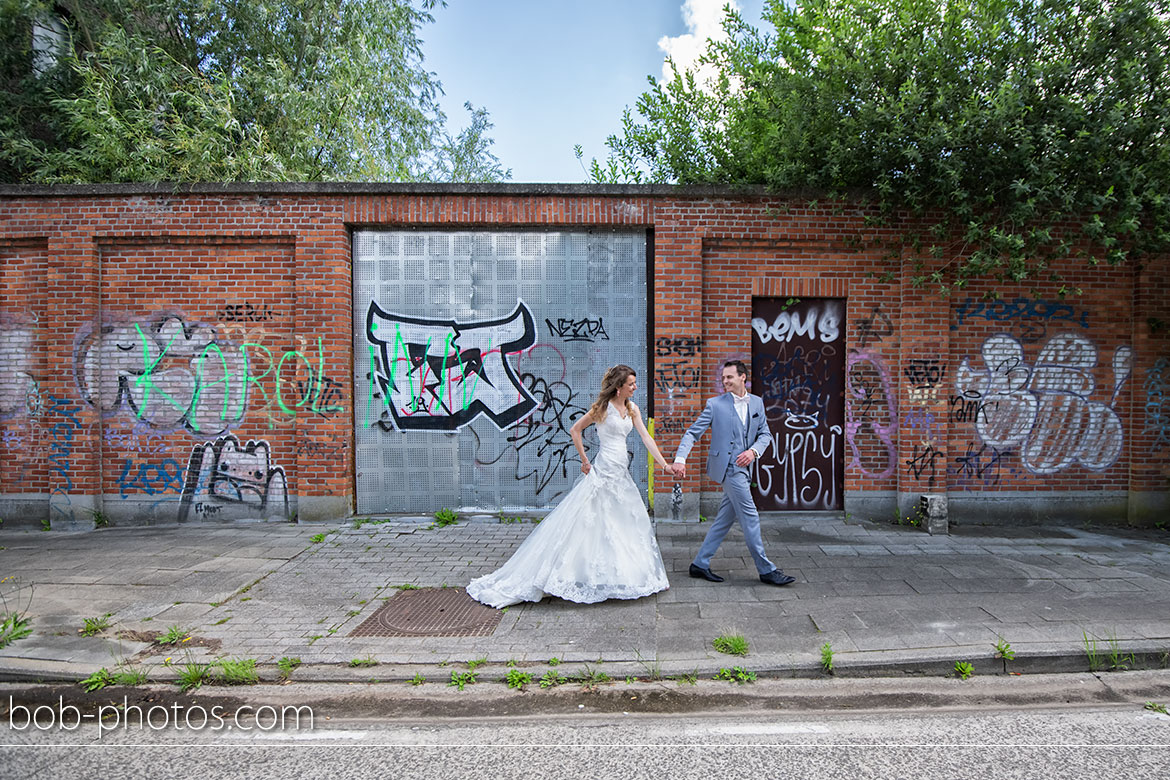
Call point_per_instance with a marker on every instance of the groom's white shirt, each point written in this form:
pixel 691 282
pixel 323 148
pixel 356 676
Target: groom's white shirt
pixel 749 409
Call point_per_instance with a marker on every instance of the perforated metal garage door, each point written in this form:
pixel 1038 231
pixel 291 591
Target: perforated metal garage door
pixel 474 354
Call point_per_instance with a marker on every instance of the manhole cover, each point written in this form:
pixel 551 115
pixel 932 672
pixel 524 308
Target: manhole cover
pixel 430 612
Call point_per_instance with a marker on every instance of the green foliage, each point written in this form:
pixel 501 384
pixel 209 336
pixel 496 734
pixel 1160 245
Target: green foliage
pixel 317 538
pixel 734 644
pixel 286 666
pixel 1154 706
pixel 460 679
pixel 517 679
pixel 736 674
pixel 121 675
pixel 192 675
pixel 827 658
pixel 1092 652
pixel 1013 133
pixel 554 661
pixel 445 517
pixel 963 670
pixel 172 636
pixel 418 679
pixel 14 620
pixel 1004 652
pixel 361 662
pixel 238 671
pixel 551 679
pixel 478 662
pixel 95 625
pixel 164 90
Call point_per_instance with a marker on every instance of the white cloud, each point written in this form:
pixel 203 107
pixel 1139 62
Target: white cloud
pixel 704 19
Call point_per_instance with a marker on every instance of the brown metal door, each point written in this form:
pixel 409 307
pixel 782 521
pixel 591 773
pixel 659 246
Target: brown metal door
pixel 798 367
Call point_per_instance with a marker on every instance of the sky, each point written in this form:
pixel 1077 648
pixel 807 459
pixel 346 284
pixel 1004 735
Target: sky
pixel 555 73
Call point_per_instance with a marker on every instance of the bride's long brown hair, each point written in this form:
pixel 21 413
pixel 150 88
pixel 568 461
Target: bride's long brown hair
pixel 610 384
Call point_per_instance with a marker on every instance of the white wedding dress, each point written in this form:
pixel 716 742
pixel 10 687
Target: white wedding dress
pixel 597 544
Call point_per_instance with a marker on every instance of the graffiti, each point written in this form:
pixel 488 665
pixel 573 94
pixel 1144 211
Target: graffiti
pixel 20 393
pixel 61 448
pixel 875 327
pixel 788 325
pixel 800 383
pixel 544 436
pixel 224 477
pixel 925 373
pixel 151 478
pixel 871 416
pixel 246 312
pixel 802 454
pixel 1157 411
pixel 964 408
pixel 1044 409
pixel 921 425
pixel 143 442
pixel 681 347
pixel 669 425
pixel 984 464
pixel 172 375
pixel 442 374
pixel 578 330
pixel 1031 316
pixel 922 462
pixel 316 450
pixel 676 377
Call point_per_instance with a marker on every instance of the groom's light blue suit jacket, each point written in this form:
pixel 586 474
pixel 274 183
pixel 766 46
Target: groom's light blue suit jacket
pixel 728 437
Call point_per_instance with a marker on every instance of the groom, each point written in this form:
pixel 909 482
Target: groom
pixel 735 418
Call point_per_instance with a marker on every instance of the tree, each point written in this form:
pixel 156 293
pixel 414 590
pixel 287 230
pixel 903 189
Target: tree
pixel 215 90
pixel 1019 132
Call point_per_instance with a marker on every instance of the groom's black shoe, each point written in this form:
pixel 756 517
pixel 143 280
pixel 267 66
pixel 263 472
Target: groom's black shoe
pixel 776 577
pixel 699 572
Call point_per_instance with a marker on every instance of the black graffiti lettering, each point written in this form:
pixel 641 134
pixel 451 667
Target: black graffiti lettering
pixel 677 376
pixel 875 327
pixel 1019 309
pixel 925 373
pixel 245 312
pixel 982 464
pixel 686 346
pixel 922 462
pixel 578 330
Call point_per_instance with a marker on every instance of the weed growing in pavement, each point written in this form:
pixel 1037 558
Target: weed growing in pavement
pixel 317 538
pixel 359 522
pixel 237 671
pixel 353 613
pixel 736 674
pixel 1118 661
pixel 963 670
pixel 14 621
pixel 731 644
pixel 192 675
pixel 690 678
pixel 653 668
pixel 367 661
pixel 554 661
pixel 96 625
pixel 827 658
pixel 418 679
pixel 286 666
pixel 314 638
pixel 478 662
pixel 631 679
pixel 552 679
pixel 591 678
pixel 445 517
pixel 100 520
pixel 1004 652
pixel 1092 652
pixel 46 525
pixel 460 679
pixel 1154 706
pixel 518 679
pixel 173 635
pixel 121 675
pixel 407 586
pixel 221 621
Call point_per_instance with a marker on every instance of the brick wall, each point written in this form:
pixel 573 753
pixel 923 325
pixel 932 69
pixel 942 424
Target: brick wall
pixel 189 356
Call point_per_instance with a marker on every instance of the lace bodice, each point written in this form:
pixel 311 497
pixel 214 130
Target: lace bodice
pixel 612 433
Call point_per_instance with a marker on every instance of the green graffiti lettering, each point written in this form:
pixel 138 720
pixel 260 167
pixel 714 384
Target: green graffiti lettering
pixel 280 381
pixel 145 380
pixel 225 380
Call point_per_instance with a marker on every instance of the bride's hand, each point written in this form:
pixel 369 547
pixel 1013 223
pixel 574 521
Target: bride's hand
pixel 585 467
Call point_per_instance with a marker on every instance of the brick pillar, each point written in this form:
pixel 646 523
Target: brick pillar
pixel 678 386
pixel 324 311
pixel 1149 417
pixel 71 427
pixel 922 378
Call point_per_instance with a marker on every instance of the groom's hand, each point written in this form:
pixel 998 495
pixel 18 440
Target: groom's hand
pixel 679 469
pixel 746 458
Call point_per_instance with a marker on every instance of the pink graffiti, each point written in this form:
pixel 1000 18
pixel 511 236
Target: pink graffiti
pixel 871 416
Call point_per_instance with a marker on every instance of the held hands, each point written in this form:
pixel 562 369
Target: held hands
pixel 679 469
pixel 746 458
pixel 585 467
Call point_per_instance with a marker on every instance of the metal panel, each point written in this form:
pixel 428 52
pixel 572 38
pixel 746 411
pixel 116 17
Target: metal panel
pixel 798 367
pixel 476 352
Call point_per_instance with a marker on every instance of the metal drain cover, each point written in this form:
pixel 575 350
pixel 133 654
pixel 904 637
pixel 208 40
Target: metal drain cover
pixel 430 612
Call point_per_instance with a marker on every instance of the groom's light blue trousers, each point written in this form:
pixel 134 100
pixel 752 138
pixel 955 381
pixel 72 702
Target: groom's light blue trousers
pixel 737 505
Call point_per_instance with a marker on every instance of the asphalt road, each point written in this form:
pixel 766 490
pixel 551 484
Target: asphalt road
pixel 1123 740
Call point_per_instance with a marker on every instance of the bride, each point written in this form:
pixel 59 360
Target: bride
pixel 598 543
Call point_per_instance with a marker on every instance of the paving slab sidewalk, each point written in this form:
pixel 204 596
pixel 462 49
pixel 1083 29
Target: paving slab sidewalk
pixel 887 599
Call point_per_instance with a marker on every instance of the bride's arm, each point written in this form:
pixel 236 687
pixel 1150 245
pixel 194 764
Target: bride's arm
pixel 583 422
pixel 651 445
